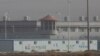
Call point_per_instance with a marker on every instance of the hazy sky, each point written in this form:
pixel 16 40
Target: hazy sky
pixel 38 8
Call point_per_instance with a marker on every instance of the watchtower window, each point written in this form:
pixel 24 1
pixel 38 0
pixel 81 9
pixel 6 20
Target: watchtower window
pixel 72 29
pixel 96 29
pixel 81 29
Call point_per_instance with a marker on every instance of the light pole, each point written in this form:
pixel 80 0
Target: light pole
pixel 68 1
pixel 88 26
pixel 5 18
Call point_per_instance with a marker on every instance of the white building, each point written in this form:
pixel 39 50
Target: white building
pixel 13 33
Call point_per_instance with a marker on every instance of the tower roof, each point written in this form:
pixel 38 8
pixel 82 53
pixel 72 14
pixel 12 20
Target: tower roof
pixel 48 18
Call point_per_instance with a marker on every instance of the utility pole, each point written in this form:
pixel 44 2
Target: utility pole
pixel 68 1
pixel 88 26
pixel 5 18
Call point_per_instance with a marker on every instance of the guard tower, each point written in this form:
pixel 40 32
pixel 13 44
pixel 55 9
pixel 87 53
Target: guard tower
pixel 48 25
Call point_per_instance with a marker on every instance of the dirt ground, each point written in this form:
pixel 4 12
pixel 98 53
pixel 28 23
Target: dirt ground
pixel 87 53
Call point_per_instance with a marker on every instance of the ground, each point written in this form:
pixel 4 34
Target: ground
pixel 52 53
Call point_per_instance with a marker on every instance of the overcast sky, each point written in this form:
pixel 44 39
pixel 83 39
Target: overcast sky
pixel 38 8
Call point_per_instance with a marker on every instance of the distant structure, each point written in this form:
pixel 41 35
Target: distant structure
pixel 95 18
pixel 81 18
pixel 26 18
pixel 48 33
pixel 65 18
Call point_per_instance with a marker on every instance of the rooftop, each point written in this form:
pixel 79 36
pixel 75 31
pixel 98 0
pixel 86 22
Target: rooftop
pixel 49 18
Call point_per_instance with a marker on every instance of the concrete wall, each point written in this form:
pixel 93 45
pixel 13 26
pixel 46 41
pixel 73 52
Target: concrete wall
pixel 62 45
pixel 6 45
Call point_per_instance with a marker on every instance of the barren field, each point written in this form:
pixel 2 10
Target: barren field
pixel 51 53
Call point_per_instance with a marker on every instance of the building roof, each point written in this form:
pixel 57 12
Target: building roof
pixel 48 18
pixel 19 23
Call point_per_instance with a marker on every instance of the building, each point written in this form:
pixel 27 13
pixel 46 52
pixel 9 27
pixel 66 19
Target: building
pixel 21 34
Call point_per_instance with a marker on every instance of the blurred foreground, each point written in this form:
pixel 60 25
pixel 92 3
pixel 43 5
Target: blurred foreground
pixel 52 53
